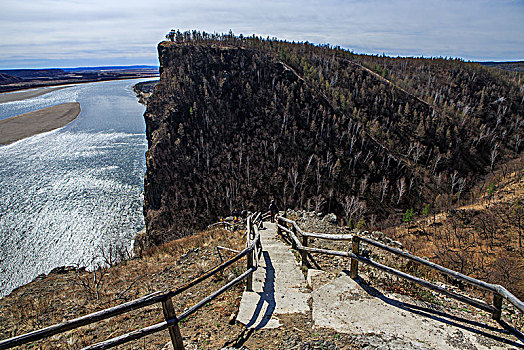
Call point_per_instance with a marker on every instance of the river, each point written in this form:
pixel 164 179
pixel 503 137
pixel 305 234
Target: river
pixel 69 194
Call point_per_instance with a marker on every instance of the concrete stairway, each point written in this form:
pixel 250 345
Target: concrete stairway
pixel 351 306
pixel 277 285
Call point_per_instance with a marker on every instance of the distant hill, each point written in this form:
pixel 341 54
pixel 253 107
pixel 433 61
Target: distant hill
pixel 17 79
pixel 50 73
pixel 8 79
pixel 104 68
pixel 57 72
pixel 517 66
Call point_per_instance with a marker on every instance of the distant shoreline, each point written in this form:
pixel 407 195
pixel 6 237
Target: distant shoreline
pixel 33 85
pixel 36 122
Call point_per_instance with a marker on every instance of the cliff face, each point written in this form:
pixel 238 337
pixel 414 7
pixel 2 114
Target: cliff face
pixel 231 128
pixel 232 124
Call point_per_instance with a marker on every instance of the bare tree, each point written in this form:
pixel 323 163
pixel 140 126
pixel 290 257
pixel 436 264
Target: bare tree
pixel 364 185
pixel 384 186
pixel 353 139
pixel 494 154
pixel 454 181
pixel 417 153
pixel 306 171
pixel 372 220
pixel 308 205
pixel 319 202
pixel 461 186
pixel 319 177
pixel 352 205
pixel 283 125
pixel 293 177
pixel 240 159
pixel 229 198
pixel 93 286
pixel 437 159
pixel 401 187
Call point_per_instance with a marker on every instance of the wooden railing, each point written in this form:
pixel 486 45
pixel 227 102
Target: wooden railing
pixel 499 292
pixel 252 251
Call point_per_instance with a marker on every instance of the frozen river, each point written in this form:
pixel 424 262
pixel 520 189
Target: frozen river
pixel 67 194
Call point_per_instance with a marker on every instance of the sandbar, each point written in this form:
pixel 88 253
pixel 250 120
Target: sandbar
pixel 24 95
pixel 36 122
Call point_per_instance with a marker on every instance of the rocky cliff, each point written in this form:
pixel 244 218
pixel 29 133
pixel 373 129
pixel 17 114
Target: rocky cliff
pixel 229 127
pixel 233 123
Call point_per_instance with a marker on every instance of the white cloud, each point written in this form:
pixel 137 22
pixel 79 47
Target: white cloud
pixel 115 32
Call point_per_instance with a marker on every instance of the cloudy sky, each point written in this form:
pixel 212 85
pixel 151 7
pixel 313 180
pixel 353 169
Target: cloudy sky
pixel 56 33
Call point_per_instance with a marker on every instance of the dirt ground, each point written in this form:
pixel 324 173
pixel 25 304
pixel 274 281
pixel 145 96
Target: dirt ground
pixel 69 293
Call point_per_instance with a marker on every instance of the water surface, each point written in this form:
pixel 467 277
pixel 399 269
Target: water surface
pixel 68 194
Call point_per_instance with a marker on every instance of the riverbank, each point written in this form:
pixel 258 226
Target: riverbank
pixel 24 95
pixel 144 90
pixel 36 122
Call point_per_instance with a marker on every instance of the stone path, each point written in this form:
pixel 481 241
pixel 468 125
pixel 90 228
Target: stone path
pixel 277 285
pixel 350 306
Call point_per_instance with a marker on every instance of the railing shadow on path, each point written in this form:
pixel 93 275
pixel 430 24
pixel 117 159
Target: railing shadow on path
pixel 267 296
pixel 446 318
pixel 311 259
pixel 290 230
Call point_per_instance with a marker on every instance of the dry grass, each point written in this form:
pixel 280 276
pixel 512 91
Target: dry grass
pixel 482 239
pixel 64 296
pixel 60 297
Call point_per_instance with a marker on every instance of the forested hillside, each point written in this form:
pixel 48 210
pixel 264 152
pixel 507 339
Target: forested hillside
pixel 236 121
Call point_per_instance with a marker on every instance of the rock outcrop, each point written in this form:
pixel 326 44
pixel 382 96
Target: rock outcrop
pixel 229 127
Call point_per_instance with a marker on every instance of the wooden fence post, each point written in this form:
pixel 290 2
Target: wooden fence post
pixel 249 280
pixel 293 243
pixel 174 330
pixel 279 232
pixel 497 304
pixel 355 249
pixel 303 253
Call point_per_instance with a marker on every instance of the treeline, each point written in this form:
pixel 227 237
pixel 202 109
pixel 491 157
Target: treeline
pixel 235 121
pixel 456 115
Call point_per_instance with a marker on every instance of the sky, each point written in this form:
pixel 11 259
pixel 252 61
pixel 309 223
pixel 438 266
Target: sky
pixel 73 33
